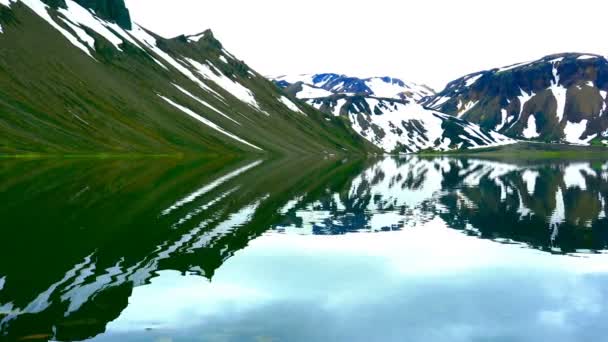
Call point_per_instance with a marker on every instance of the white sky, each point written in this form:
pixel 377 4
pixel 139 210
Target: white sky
pixel 428 41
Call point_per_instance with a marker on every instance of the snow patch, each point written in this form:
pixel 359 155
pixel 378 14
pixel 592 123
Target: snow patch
pixel 82 17
pixel 196 38
pixel 208 123
pixel 574 131
pixel 204 103
pixel 511 67
pixel 471 80
pixel 82 35
pixel 503 119
pixel 467 107
pixel 292 106
pixel 149 41
pixel 439 102
pixel 309 92
pixel 584 57
pixel 523 99
pixel 42 11
pixel 531 130
pixel 393 88
pixel 559 92
pixel 210 72
pixel 338 107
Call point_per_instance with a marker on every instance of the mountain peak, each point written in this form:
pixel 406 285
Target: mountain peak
pixel 112 10
pixel 382 87
pixel 558 98
pixel 205 39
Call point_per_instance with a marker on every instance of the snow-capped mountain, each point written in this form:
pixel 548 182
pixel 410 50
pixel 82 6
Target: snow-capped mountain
pixel 385 87
pixel 558 98
pixel 81 77
pixel 393 123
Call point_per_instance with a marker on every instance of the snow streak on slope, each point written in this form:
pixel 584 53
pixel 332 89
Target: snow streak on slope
pixel 292 106
pixel 205 103
pixel 41 10
pixel 82 17
pixel 212 73
pixel 149 41
pixel 208 123
pixel 77 18
pixel 531 131
pixel 559 92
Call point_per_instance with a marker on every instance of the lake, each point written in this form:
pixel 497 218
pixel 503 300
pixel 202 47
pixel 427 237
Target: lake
pixel 393 249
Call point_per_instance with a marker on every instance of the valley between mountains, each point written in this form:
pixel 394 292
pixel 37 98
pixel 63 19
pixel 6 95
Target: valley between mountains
pixel 80 77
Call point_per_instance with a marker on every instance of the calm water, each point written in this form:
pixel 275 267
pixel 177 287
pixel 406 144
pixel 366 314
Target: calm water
pixel 405 249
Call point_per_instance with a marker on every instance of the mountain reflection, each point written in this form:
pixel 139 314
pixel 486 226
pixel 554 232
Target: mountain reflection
pixel 78 236
pixel 558 207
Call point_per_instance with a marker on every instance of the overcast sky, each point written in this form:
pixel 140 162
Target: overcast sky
pixel 425 41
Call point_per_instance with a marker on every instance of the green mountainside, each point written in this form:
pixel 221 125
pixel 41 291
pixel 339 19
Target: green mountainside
pixel 80 81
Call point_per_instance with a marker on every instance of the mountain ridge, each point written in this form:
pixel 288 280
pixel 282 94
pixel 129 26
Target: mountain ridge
pixel 559 98
pixel 91 86
pixel 381 86
pixel 387 117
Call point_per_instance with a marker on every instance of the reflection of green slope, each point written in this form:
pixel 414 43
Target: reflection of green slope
pixel 81 234
pixel 107 217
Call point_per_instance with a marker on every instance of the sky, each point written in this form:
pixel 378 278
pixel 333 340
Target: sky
pixel 429 42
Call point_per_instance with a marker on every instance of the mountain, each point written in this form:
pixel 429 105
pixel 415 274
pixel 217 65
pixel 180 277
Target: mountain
pixel 558 98
pixel 80 77
pixel 386 87
pixel 383 112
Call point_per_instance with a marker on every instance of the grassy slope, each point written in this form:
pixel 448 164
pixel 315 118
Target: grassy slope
pixel 54 99
pixel 528 150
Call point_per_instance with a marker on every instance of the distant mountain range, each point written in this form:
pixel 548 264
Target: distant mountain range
pixel 384 87
pixel 385 111
pixel 560 98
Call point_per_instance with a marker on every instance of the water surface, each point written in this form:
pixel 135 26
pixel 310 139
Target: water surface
pixel 416 249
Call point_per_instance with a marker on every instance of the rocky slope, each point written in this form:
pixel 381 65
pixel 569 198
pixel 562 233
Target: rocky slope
pixel 389 116
pixel 558 98
pixel 77 79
